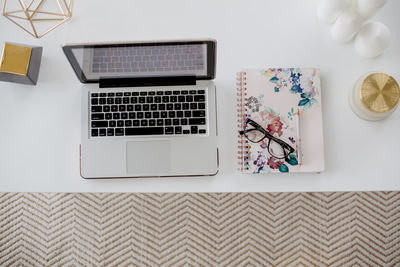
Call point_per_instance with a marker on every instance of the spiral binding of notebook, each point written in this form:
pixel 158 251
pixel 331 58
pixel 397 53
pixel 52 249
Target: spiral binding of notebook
pixel 243 145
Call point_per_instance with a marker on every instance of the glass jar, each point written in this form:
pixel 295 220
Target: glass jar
pixel 375 96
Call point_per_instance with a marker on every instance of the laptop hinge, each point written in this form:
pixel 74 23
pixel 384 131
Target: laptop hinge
pixel 147 81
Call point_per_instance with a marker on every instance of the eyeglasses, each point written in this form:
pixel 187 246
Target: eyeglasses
pixel 255 133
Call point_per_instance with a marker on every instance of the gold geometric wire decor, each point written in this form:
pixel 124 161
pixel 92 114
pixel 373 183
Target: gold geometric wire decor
pixel 38 17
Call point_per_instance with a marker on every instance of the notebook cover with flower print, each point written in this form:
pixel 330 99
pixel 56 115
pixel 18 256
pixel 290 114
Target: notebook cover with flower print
pixel 271 98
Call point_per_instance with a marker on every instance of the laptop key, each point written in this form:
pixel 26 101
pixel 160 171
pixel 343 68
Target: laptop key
pixel 95 132
pixel 202 105
pixel 99 124
pixel 186 132
pixel 199 98
pixel 95 101
pixel 119 131
pixel 128 123
pixel 143 123
pixel 144 131
pixel 139 115
pixel 184 121
pixel 199 113
pixel 152 122
pixel 175 121
pixel 178 130
pixel 120 123
pixel 135 123
pixel 167 122
pixel 96 109
pixel 97 116
pixel 160 122
pixel 193 129
pixel 112 124
pixel 169 130
pixel 106 108
pixel 124 116
pixel 114 108
pixel 110 132
pixel 197 121
pixel 108 116
pixel 116 116
pixel 147 115
pixel 102 132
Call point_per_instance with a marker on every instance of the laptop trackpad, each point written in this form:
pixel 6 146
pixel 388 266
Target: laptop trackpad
pixel 148 157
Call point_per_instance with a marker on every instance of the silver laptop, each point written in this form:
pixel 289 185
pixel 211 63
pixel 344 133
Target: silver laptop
pixel 148 108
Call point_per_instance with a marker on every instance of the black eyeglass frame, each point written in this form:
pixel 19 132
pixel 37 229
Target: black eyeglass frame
pixel 257 127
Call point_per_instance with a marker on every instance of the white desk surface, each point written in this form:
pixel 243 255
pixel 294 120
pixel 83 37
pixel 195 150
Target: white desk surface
pixel 39 136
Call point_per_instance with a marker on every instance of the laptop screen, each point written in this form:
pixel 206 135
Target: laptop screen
pixel 130 60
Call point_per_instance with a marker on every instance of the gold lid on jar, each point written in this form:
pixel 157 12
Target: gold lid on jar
pixel 379 92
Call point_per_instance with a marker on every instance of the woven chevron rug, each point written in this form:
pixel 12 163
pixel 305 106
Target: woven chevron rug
pixel 200 229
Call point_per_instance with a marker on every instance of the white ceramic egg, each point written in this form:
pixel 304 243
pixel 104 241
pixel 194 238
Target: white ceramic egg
pixel 346 27
pixel 329 10
pixel 368 8
pixel 373 38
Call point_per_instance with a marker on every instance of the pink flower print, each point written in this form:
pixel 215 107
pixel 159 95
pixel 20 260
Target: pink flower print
pixel 275 126
pixel 273 163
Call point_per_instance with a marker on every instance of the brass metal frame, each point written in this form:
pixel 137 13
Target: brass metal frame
pixel 28 14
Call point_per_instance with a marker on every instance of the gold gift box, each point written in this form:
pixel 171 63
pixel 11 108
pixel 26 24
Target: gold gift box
pixel 20 63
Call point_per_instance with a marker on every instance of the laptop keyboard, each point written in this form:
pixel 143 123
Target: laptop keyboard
pixel 177 112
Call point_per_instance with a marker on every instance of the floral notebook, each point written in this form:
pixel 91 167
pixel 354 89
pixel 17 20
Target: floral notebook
pixel 280 120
